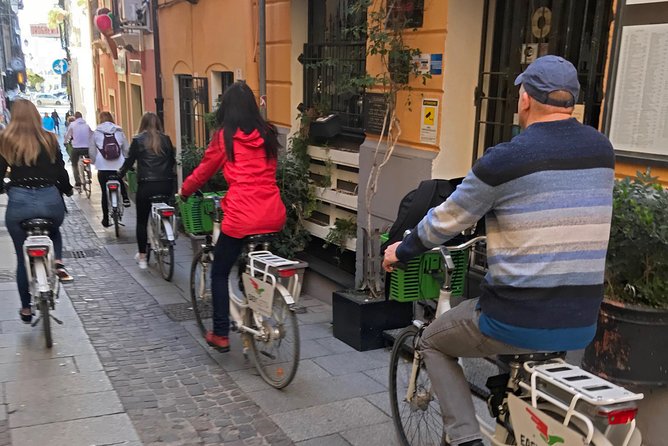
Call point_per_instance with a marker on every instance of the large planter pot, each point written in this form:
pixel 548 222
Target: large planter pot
pixel 630 346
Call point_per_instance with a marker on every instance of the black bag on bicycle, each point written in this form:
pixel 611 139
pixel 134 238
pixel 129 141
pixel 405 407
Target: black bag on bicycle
pixel 110 150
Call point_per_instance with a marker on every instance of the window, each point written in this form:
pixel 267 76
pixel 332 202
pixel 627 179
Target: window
pixel 194 104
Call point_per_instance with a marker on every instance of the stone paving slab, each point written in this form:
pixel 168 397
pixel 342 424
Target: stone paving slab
pixel 26 370
pixel 64 408
pixel 380 434
pixel 105 430
pixel 327 440
pixel 39 389
pixel 330 418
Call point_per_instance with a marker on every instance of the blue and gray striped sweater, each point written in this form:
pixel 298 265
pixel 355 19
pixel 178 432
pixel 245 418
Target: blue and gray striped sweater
pixel 547 199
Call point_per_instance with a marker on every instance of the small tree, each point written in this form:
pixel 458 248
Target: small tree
pixel 34 79
pixel 385 28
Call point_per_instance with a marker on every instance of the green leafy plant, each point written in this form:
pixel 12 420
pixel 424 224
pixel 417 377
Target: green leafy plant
pixel 343 230
pixel 297 193
pixel 637 261
pixel 191 156
pixel 56 16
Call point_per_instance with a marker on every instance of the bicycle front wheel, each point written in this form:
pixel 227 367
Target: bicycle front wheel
pixel 277 354
pixel 87 182
pixel 200 290
pixel 44 307
pixel 417 417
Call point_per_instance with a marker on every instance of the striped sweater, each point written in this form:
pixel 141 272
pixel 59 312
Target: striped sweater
pixel 547 199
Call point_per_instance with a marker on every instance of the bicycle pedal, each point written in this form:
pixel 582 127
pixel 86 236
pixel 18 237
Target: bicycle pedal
pixel 36 321
pixel 299 309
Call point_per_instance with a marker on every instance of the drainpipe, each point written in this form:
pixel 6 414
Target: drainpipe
pixel 159 100
pixel 263 56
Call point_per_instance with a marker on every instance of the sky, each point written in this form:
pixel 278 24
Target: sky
pixel 40 52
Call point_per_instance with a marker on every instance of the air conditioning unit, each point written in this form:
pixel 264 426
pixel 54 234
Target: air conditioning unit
pixel 134 13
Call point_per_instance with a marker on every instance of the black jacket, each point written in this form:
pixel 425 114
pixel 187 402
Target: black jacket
pixel 151 166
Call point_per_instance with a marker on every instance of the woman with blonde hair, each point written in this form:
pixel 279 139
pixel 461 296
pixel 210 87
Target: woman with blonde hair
pixel 37 181
pixel 107 150
pixel 154 153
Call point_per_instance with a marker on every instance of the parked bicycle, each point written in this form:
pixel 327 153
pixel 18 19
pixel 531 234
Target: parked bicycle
pixel 41 272
pixel 161 235
pixel 86 175
pixel 540 400
pixel 113 198
pixel 264 288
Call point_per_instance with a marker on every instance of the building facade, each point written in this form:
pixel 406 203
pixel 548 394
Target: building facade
pixel 472 52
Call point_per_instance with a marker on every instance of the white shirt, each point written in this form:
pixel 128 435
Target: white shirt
pixel 96 142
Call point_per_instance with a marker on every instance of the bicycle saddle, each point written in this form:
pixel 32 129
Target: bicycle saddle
pixel 537 356
pixel 37 223
pixel 260 238
pixel 159 198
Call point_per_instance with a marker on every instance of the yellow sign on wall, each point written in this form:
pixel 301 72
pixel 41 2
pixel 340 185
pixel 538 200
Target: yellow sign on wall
pixel 429 121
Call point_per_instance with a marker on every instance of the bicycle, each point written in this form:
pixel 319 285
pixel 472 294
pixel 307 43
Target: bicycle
pixel 40 270
pixel 262 301
pixel 85 175
pixel 540 400
pixel 113 199
pixel 161 235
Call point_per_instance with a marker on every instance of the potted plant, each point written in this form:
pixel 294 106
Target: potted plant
pixel 631 343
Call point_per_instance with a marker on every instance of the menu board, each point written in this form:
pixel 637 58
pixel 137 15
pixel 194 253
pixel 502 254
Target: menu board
pixel 640 112
pixel 375 105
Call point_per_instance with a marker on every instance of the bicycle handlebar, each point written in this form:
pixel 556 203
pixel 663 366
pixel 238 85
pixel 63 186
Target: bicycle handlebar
pixel 463 246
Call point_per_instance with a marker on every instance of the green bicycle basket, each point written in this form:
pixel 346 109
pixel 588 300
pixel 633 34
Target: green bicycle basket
pixel 424 275
pixel 196 212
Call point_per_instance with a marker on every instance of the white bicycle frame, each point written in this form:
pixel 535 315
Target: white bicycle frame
pixel 40 270
pixel 113 196
pixel 574 385
pixel 167 222
pixel 265 266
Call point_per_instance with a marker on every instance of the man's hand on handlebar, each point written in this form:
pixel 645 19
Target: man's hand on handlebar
pixel 390 260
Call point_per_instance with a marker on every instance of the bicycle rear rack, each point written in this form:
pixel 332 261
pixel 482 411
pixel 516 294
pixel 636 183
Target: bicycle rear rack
pixel 268 266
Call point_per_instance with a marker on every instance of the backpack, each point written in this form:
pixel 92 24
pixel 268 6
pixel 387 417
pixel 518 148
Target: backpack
pixel 415 205
pixel 110 150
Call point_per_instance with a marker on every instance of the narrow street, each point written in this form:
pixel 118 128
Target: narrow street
pixel 129 366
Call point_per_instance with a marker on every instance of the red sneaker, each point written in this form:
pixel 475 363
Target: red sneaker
pixel 220 343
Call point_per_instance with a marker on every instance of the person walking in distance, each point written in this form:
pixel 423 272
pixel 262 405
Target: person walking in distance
pixel 245 147
pixel 108 149
pixel 47 122
pixel 78 135
pixel 37 181
pixel 153 152
pixel 547 200
pixel 56 121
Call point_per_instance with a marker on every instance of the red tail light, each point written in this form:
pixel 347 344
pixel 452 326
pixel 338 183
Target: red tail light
pixel 86 161
pixel 622 416
pixel 285 273
pixel 166 212
pixel 39 251
pixel 112 186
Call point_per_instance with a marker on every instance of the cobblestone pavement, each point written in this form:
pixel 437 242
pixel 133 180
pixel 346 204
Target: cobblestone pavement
pixel 172 389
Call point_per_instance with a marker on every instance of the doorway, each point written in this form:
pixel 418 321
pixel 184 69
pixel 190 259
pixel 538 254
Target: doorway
pixel 122 91
pixel 516 32
pixel 137 107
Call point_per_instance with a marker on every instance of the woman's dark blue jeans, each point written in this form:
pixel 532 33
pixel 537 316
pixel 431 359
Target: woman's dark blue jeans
pixel 225 255
pixel 24 204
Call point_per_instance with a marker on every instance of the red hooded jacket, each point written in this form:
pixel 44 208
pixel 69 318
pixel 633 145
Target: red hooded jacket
pixel 252 205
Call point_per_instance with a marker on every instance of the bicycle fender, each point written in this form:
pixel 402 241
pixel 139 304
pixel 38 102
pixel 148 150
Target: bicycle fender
pixel 169 232
pixel 287 297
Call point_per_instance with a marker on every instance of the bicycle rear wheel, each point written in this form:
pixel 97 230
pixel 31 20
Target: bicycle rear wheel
pixel 200 290
pixel 117 223
pixel 276 357
pixel 165 257
pixel 417 422
pixel 44 307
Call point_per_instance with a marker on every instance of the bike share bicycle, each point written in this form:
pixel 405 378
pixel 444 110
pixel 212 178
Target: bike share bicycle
pixel 161 235
pixel 264 288
pixel 113 190
pixel 40 264
pixel 540 400
pixel 86 175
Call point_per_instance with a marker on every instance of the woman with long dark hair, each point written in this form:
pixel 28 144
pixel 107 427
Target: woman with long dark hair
pixel 245 147
pixel 37 180
pixel 153 152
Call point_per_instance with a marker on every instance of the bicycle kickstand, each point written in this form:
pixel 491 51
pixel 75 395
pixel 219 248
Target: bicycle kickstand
pixel 58 321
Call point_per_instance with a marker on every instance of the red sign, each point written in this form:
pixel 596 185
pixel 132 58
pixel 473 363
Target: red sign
pixel 42 30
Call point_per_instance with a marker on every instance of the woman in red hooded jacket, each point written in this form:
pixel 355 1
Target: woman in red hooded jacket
pixel 245 147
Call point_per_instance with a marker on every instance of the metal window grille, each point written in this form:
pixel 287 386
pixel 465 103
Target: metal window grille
pixel 194 104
